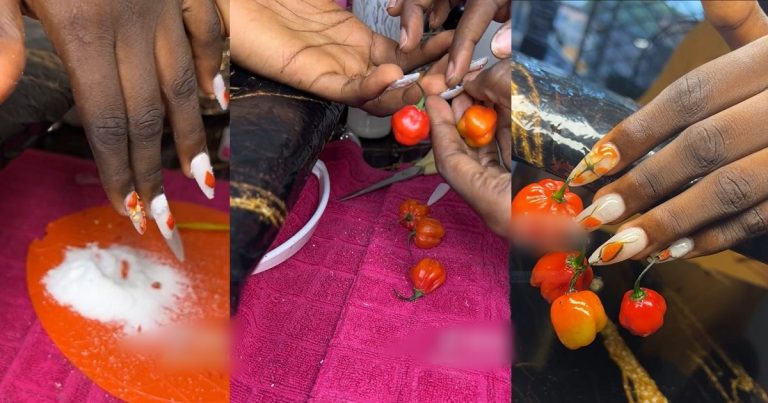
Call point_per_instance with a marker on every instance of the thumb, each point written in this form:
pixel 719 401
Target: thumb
pixel 11 47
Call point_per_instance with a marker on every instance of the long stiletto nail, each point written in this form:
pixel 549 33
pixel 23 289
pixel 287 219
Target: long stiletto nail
pixel 478 64
pixel 220 91
pixel 161 212
pixel 403 37
pixel 134 207
pixel 203 174
pixel 407 80
pixel 620 247
pixel 596 163
pixel 603 210
pixel 451 93
pixel 675 250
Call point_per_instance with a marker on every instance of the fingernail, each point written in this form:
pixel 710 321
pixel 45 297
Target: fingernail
pixel 203 174
pixel 136 212
pixel 675 250
pixel 595 164
pixel 451 93
pixel 620 247
pixel 501 43
pixel 403 37
pixel 161 212
pixel 391 3
pixel 603 210
pixel 220 91
pixel 478 64
pixel 405 81
pixel 450 71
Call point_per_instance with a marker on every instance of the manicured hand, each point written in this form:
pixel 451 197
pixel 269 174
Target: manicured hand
pixel 739 22
pixel 477 174
pixel 478 14
pixel 318 47
pixel 131 64
pixel 714 120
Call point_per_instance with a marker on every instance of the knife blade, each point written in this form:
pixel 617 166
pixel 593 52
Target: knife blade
pixel 438 193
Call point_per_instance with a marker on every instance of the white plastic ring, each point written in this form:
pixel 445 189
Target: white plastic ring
pixel 289 248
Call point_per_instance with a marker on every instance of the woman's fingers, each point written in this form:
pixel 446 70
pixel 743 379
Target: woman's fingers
pixel 179 87
pixel 485 187
pixel 477 16
pixel 102 110
pixel 412 23
pixel 739 22
pixel 724 193
pixel 709 89
pixel 501 43
pixel 719 236
pixel 12 55
pixel 205 32
pixel 700 149
pixel 144 106
pixel 385 50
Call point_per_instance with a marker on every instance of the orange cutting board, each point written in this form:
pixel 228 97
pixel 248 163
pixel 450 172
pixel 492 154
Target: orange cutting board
pixel 96 348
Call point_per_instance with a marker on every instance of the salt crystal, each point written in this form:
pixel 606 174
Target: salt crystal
pixel 90 281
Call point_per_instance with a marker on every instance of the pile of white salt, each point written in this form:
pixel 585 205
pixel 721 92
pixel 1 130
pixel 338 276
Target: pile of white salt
pixel 118 285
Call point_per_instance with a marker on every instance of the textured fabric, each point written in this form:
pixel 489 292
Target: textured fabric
pixel 321 325
pixel 38 188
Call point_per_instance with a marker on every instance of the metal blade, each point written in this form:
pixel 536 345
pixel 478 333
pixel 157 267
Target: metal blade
pixel 400 176
pixel 438 194
pixel 174 243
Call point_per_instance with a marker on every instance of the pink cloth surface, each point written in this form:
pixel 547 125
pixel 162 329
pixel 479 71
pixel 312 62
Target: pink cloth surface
pixel 319 326
pixel 37 188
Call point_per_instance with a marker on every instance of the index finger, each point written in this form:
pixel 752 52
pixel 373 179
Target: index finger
pixel 477 16
pixel 705 91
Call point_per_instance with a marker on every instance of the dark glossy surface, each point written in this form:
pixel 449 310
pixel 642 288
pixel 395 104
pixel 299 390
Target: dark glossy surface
pixel 276 135
pixel 42 96
pixel 556 120
pixel 712 348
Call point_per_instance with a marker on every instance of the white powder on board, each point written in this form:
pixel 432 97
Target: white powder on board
pixel 117 284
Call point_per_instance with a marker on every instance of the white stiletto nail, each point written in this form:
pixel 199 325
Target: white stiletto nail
pixel 134 207
pixel 161 213
pixel 203 174
pixel 407 80
pixel 220 91
pixel 478 64
pixel 451 93
pixel 620 247
pixel 676 250
pixel 599 161
pixel 603 210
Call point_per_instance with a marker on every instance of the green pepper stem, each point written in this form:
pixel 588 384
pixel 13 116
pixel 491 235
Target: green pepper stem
pixel 637 293
pixel 559 196
pixel 578 269
pixel 423 101
pixel 416 295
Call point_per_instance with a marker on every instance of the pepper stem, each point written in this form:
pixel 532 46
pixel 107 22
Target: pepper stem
pixel 578 269
pixel 416 295
pixel 637 292
pixel 559 196
pixel 422 102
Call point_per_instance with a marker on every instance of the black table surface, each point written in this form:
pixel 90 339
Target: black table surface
pixel 713 346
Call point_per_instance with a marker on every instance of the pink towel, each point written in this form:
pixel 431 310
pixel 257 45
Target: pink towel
pixel 37 188
pixel 325 326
